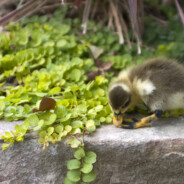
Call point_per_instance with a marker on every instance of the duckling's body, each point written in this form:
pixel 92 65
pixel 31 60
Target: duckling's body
pixel 158 83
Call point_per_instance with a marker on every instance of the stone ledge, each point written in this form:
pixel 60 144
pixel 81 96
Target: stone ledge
pixel 143 156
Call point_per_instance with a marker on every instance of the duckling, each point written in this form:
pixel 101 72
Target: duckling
pixel 159 83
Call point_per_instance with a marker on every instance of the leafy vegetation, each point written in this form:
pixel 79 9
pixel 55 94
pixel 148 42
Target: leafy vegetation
pixel 44 66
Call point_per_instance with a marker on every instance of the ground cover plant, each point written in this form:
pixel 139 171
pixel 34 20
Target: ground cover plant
pixel 56 79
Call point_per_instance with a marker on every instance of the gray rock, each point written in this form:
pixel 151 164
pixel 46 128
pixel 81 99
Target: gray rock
pixel 144 156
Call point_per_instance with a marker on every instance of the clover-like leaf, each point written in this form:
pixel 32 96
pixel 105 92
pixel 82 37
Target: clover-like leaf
pixel 50 130
pixel 74 142
pixel 2 105
pixel 75 74
pixel 90 157
pixel 61 43
pixel 77 124
pixel 59 128
pixel 40 124
pixel 68 128
pixel 79 153
pixel 98 108
pixel 67 181
pixel 87 168
pixel 74 175
pixel 73 164
pixel 48 117
pixel 33 120
pixel 90 126
pixel 55 90
pixel 42 134
pixel 88 177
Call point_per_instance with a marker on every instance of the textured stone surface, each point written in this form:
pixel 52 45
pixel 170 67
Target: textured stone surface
pixel 144 156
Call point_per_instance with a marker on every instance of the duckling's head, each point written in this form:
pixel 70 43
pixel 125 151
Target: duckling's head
pixel 119 99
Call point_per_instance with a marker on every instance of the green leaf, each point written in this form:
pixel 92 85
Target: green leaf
pixel 68 128
pixel 40 124
pixel 90 157
pixel 55 90
pixel 75 75
pixel 2 105
pixel 50 130
pixel 102 119
pixel 61 43
pixel 88 177
pixel 87 168
pixel 48 117
pixel 77 124
pixel 73 164
pixel 74 142
pixel 90 126
pixel 74 175
pixel 79 153
pixel 33 120
pixel 98 108
pixel 19 138
pixel 99 92
pixel 82 108
pixel 42 133
pixel 61 111
pixel 67 181
pixel 27 108
pixel 108 120
pixel 5 146
pixel 59 128
pixel 76 131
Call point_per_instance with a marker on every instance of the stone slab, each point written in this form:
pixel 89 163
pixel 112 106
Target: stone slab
pixel 153 155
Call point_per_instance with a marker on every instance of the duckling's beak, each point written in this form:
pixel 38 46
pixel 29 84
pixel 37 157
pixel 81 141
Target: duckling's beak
pixel 118 119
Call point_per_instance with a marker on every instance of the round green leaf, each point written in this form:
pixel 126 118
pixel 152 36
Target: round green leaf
pixel 74 142
pixel 89 177
pixel 98 108
pixel 76 131
pixel 61 43
pixel 54 91
pixel 68 128
pixel 50 130
pixel 90 126
pixel 59 128
pixel 87 168
pixel 108 119
pixel 51 119
pixel 102 119
pixel 77 124
pixel 79 153
pixel 40 124
pixel 2 105
pixel 90 157
pixel 74 175
pixel 42 133
pixel 73 164
pixel 67 181
pixel 75 74
pixel 33 120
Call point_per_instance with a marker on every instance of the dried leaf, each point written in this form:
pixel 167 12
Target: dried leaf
pixel 103 65
pixel 96 51
pixel 92 74
pixel 46 104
